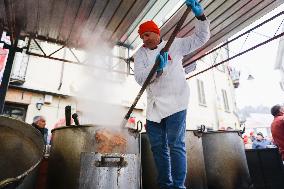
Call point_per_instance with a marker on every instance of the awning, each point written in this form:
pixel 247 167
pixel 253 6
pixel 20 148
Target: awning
pixel 76 22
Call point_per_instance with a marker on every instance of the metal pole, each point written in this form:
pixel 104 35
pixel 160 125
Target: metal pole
pixel 7 73
pixel 235 38
pixel 239 54
pixel 128 62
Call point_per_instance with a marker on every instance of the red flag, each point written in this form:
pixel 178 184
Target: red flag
pixel 3 57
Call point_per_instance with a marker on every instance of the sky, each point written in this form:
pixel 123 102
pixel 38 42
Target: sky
pixel 264 89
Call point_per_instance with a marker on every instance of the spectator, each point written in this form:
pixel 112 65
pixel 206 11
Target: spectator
pixel 252 137
pixel 221 129
pixel 229 129
pixel 39 123
pixel 247 142
pixel 260 142
pixel 245 139
pixel 277 127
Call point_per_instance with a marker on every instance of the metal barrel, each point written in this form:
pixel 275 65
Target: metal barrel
pixel 22 148
pixel 196 174
pixel 69 144
pixel 225 160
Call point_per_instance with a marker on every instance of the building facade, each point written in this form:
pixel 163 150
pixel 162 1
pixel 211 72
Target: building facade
pixel 102 92
pixel 212 99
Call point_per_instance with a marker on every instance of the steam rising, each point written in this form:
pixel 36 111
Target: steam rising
pixel 99 90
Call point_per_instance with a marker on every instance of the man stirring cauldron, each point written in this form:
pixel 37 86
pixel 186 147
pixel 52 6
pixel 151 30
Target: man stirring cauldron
pixel 168 95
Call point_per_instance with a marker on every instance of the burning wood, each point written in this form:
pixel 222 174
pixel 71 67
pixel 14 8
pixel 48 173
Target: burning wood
pixel 109 142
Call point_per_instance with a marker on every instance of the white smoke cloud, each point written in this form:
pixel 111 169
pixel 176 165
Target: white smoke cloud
pixel 98 91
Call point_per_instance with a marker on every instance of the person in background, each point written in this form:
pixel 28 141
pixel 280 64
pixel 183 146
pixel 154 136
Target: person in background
pixel 277 127
pixel 229 129
pixel 221 129
pixel 260 142
pixel 252 137
pixel 39 123
pixel 168 95
pixel 247 142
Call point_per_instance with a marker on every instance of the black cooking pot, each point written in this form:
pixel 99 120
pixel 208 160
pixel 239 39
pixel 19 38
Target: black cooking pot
pixel 21 150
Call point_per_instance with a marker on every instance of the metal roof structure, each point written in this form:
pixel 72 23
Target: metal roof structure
pixel 77 23
pixel 69 22
pixel 74 22
pixel 227 17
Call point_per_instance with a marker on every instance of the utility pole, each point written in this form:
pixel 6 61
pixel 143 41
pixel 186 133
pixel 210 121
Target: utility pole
pixel 7 72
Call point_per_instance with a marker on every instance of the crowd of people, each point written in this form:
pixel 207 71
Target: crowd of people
pixel 259 141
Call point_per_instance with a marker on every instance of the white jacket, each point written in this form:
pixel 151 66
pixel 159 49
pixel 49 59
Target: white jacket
pixel 169 93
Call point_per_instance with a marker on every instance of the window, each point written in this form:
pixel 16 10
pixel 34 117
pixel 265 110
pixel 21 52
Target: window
pixel 201 93
pixel 225 100
pixel 16 111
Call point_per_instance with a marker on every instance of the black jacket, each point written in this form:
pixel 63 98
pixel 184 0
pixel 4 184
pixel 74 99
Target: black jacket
pixel 43 131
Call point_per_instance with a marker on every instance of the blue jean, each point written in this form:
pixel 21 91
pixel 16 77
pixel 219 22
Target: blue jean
pixel 167 141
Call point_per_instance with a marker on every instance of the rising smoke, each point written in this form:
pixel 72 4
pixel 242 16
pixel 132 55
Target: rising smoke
pixel 99 91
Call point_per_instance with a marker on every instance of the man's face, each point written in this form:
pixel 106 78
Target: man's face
pixel 41 123
pixel 150 39
pixel 259 137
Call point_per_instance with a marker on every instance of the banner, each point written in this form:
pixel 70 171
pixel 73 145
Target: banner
pixel 3 59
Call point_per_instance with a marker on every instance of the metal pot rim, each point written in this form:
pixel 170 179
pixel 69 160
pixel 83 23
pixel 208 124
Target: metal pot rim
pixel 215 132
pixel 11 180
pixel 207 132
pixel 77 127
pixel 144 132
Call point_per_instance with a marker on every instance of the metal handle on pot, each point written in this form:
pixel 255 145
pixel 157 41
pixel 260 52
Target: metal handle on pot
pixel 135 132
pixel 241 132
pixel 75 118
pixel 105 163
pixel 141 126
pixel 104 158
pixel 199 132
pixel 202 128
pixel 68 115
pixel 11 183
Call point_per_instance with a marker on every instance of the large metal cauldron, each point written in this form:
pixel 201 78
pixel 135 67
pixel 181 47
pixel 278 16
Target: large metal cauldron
pixel 196 176
pixel 71 145
pixel 225 161
pixel 21 150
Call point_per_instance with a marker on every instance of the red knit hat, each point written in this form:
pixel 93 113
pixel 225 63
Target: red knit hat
pixel 148 26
